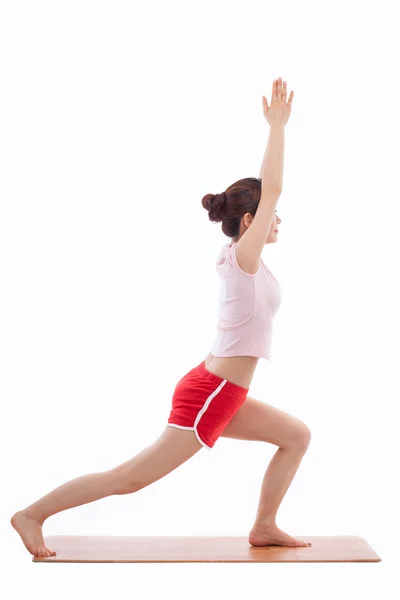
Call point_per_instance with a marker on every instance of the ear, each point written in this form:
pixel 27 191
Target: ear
pixel 247 219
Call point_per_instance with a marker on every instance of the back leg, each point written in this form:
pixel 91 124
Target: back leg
pixel 169 451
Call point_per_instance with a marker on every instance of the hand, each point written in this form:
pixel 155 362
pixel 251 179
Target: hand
pixel 279 111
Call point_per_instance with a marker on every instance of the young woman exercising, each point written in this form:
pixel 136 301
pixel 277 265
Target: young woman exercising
pixel 212 400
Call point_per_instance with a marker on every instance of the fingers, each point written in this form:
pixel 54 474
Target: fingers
pixel 275 91
pixel 279 91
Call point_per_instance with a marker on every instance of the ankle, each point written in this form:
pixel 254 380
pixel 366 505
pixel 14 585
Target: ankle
pixel 265 524
pixel 31 513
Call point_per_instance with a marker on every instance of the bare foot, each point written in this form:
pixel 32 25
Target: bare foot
pixel 271 535
pixel 31 534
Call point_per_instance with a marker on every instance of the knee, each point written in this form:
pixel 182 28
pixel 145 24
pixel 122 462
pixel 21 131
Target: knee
pixel 301 437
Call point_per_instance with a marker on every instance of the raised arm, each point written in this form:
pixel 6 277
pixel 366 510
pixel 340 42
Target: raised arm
pixel 271 172
pixel 277 115
pixel 251 243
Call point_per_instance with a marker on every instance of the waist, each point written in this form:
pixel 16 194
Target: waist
pixel 237 369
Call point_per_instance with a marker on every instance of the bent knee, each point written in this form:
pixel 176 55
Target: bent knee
pixel 301 437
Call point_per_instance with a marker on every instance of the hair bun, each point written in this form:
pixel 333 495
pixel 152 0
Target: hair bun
pixel 214 203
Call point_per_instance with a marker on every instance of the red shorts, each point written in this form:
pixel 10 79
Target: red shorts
pixel 205 403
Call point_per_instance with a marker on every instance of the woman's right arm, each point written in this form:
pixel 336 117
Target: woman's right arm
pixel 271 172
pixel 277 116
pixel 252 242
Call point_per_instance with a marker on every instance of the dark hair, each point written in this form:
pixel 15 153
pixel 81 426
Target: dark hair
pixel 240 198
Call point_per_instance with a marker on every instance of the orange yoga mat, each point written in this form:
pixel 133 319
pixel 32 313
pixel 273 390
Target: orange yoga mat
pixel 92 548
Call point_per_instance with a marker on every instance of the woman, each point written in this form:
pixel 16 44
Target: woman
pixel 212 399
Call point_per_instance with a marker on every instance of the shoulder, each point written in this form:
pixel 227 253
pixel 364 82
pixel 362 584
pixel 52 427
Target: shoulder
pixel 242 263
pixel 228 257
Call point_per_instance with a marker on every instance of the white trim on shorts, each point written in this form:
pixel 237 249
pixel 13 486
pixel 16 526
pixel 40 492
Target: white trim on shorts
pixel 200 414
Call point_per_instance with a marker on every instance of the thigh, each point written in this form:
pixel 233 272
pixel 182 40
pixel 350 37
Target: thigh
pixel 173 448
pixel 258 421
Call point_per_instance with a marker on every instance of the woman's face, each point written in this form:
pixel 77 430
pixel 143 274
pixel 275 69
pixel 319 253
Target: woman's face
pixel 272 237
pixel 273 234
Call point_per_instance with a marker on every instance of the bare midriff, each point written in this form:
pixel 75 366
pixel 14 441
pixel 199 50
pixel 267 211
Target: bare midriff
pixel 236 369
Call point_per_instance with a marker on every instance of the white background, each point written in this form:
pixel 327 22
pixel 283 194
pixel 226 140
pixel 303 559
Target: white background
pixel 116 119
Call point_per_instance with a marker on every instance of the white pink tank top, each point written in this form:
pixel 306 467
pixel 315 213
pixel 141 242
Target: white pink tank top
pixel 247 306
